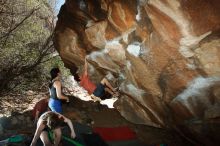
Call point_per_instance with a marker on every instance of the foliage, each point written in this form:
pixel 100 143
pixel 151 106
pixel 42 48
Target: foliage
pixel 26 33
pixel 40 77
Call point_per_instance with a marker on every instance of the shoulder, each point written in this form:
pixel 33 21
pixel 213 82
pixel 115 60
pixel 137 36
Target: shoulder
pixel 45 115
pixel 57 83
pixel 84 77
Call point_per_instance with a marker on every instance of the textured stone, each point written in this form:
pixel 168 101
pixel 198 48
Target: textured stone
pixel 143 117
pixel 96 34
pixel 1 129
pixel 164 54
pixel 213 112
pixel 14 121
pixel 208 54
pixel 121 15
pixel 21 118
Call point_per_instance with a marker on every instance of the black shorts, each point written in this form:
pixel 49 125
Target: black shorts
pixel 100 90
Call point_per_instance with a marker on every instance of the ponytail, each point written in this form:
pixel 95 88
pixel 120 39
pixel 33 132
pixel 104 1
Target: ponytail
pixel 53 73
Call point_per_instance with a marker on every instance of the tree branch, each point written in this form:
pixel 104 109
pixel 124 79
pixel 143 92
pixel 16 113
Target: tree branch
pixel 49 59
pixel 17 25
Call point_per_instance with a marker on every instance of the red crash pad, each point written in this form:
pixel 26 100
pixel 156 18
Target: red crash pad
pixel 115 133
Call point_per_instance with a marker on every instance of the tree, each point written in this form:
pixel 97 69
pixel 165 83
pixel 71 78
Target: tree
pixel 26 33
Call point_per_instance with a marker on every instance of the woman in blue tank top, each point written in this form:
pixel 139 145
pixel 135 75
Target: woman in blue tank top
pixel 56 95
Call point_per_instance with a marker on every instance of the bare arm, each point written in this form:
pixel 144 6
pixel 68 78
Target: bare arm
pixel 36 116
pixel 49 91
pixel 57 85
pixel 38 131
pixel 86 67
pixel 69 122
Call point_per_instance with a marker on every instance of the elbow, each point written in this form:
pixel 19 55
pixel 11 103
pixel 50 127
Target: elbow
pixel 59 96
pixel 68 120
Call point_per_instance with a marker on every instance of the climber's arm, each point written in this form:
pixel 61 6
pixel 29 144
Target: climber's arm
pixel 86 68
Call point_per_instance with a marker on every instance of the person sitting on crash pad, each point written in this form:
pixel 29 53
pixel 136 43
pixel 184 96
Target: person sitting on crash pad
pixel 96 91
pixel 40 108
pixel 51 122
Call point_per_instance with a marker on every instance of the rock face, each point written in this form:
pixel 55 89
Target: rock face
pixel 164 55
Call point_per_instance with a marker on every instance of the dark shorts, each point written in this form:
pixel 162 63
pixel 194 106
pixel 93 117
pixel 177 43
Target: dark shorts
pixel 100 90
pixel 47 129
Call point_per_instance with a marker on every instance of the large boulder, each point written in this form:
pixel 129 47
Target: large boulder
pixel 164 56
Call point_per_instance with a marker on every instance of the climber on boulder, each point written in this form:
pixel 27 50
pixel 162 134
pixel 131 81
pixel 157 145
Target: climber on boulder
pixel 96 91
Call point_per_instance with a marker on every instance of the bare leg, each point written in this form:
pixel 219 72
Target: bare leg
pixel 109 88
pixel 57 133
pixel 44 138
pixel 109 91
pixel 104 81
pixel 95 98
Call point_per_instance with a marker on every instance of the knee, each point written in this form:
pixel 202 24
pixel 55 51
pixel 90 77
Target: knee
pixel 104 80
pixel 46 142
pixel 44 139
pixel 58 132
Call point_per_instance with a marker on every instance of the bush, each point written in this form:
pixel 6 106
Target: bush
pixel 26 33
